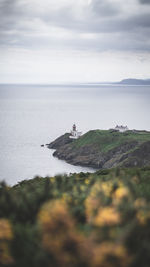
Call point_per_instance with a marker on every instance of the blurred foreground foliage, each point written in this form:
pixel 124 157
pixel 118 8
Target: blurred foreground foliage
pixel 95 220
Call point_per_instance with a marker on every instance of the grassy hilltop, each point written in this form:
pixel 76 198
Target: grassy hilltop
pixel 91 220
pixel 105 140
pixel 105 149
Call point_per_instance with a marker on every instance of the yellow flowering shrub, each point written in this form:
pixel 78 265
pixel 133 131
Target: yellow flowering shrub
pixel 108 254
pixel 5 230
pixel 87 181
pixel 6 236
pixel 142 210
pixel 107 216
pixel 106 188
pixel 143 216
pixel 121 192
pixel 106 193
pixel 52 180
pixel 94 199
pixel 66 197
pixel 54 212
pixel 59 236
pixel 90 220
pixel 140 203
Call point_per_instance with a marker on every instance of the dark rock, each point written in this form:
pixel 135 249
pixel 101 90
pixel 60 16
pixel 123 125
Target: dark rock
pixel 60 141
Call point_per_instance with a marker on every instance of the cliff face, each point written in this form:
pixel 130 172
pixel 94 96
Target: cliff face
pixel 60 141
pixel 104 149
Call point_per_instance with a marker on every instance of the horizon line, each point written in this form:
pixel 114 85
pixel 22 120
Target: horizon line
pixel 79 83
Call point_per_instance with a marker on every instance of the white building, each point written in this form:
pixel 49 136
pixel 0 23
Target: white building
pixel 121 128
pixel 74 133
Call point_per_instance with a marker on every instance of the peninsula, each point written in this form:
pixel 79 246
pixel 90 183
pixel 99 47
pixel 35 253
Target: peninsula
pixel 104 149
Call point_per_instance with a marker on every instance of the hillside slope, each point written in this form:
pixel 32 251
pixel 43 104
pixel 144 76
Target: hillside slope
pixel 105 149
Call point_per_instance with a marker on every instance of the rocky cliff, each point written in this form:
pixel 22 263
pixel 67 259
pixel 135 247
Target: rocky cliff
pixel 104 149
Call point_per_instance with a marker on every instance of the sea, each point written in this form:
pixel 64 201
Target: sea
pixel 32 115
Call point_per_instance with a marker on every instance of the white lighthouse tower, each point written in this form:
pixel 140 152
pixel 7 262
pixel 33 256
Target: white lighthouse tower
pixel 74 133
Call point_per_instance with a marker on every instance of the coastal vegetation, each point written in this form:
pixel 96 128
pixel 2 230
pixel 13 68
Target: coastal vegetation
pixel 94 220
pixel 105 140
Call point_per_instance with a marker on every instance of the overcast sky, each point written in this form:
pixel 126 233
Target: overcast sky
pixel 46 41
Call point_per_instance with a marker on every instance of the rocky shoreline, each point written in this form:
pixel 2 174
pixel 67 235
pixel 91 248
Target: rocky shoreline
pixel 129 152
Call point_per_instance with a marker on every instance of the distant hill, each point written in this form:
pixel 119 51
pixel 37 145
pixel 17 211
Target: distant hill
pixel 135 82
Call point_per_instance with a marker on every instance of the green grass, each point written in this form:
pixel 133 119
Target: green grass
pixel 105 140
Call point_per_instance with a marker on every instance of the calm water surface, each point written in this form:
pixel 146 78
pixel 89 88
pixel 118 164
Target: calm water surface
pixel 34 115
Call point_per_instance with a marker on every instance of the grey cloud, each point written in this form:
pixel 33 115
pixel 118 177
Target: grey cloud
pixel 11 12
pixel 101 25
pixel 8 6
pixel 104 8
pixel 113 29
pixel 145 2
pixel 102 16
pixel 138 41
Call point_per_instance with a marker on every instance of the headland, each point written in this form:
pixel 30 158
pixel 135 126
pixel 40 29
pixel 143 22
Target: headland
pixel 104 149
